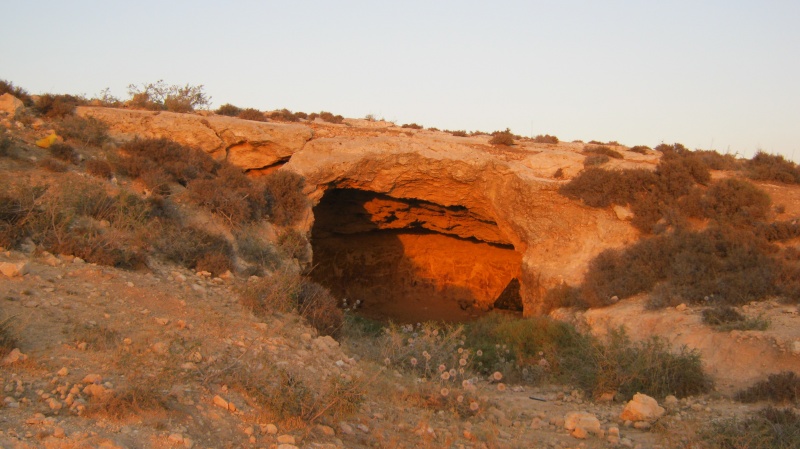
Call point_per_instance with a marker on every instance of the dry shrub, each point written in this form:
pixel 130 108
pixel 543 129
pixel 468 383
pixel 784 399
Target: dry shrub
pixel 563 295
pixel 188 245
pixel 256 250
pixel 180 163
pixel 64 152
pixel 229 110
pixel 502 138
pixel 641 149
pixel 99 169
pixel 594 160
pixel 330 118
pixel 286 189
pixel 56 106
pixel 98 337
pixel 285 291
pixel 458 133
pixel 604 150
pixel 769 167
pixel 159 96
pixel 782 387
pixel 725 318
pixel 87 131
pixel 52 165
pixel 7 87
pixel 6 143
pixel 252 114
pixel 7 340
pixel 601 188
pixel 770 428
pixel 715 161
pixel 214 263
pixel 735 202
pixel 128 402
pixel 284 115
pixel 412 126
pixel 232 195
pixel 546 138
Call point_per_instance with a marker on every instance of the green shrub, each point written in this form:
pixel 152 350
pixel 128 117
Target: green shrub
pixel 229 110
pixel 781 387
pixel 546 138
pixel 88 131
pixel 252 114
pixel 768 167
pixel 770 428
pixel 502 138
pixel 7 87
pixel 64 152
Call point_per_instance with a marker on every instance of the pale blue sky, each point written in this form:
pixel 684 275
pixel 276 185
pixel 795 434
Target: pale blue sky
pixel 721 73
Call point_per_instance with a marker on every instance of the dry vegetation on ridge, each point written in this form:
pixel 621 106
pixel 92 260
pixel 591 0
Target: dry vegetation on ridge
pixel 141 327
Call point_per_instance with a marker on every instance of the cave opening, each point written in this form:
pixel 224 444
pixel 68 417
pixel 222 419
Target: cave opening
pixel 408 260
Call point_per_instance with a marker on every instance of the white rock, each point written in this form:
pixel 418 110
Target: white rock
pixel 642 408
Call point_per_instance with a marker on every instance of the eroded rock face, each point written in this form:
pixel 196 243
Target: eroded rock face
pixel 247 144
pixel 460 187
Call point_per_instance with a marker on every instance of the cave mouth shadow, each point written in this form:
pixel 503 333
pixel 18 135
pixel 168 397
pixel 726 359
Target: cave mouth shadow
pixel 407 275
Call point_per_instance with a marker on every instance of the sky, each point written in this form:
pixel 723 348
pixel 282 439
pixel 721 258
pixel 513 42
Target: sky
pixel 722 75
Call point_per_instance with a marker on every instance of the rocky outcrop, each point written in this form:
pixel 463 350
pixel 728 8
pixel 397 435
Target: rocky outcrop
pixel 247 144
pixel 10 104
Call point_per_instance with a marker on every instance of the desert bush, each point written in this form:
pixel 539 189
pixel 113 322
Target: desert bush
pixel 768 167
pixel 779 230
pixel 160 96
pixel 52 165
pixel 770 428
pixel 229 110
pixel 301 115
pixel 423 348
pixel 716 161
pixel 735 202
pixel 255 250
pixel 563 295
pixel 593 160
pixel 181 164
pixel 458 133
pixel 648 367
pixel 7 87
pixel 502 138
pixel 88 131
pixel 641 149
pixel 214 263
pixel 127 402
pixel 286 189
pixel 99 169
pixel 187 245
pixel 604 150
pixel 725 318
pixel 546 138
pixel 6 142
pixel 284 115
pixel 781 387
pixel 330 118
pixel 252 114
pixel 233 195
pixel 285 291
pixel 601 188
pixel 7 340
pixel 412 126
pixel 64 152
pixel 57 106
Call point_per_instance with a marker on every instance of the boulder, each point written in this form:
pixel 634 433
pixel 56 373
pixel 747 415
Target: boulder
pixel 581 424
pixel 14 269
pixel 642 408
pixel 10 104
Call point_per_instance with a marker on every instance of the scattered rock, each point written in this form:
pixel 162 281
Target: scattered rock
pixel 13 357
pixel 642 408
pixel 93 379
pixel 269 429
pixel 14 269
pixel 285 439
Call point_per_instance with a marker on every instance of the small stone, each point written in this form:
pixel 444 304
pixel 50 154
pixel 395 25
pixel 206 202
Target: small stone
pixel 129 284
pixel 220 402
pixel 162 321
pixel 175 438
pixel 269 429
pixel 641 425
pixel 795 347
pixel 82 345
pixel 93 379
pixel 579 433
pixel 285 439
pixel 54 404
pixel 58 432
pixel 63 371
pixel 305 336
pixel 363 427
pixel 680 307
pixel 346 428
pixel 326 430
pixel 188 443
pixel 249 431
pixel 94 390
pixel 159 348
